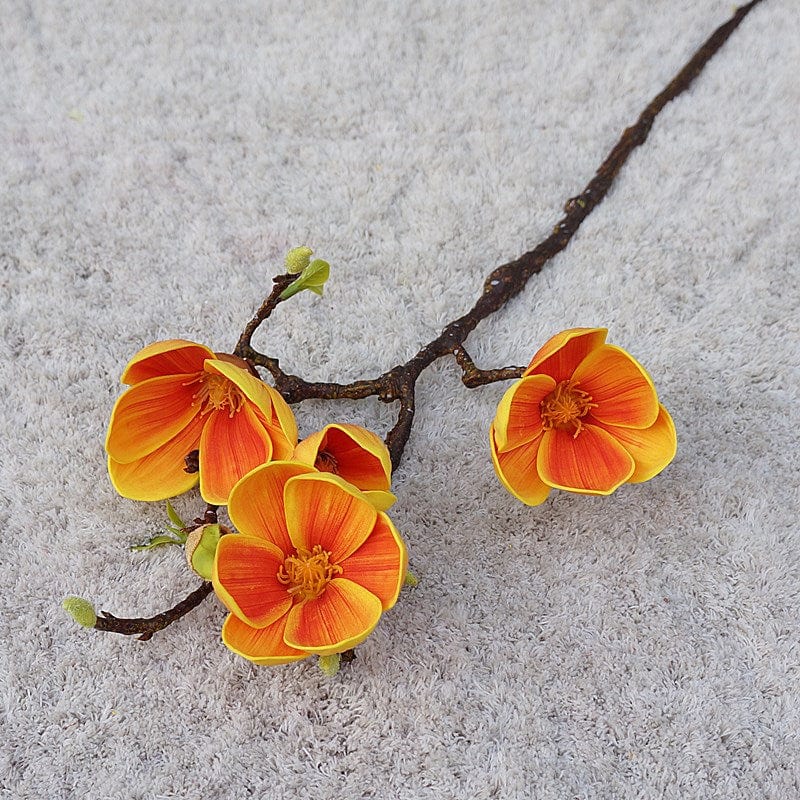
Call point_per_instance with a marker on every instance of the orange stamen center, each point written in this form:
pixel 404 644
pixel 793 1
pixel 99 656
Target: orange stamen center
pixel 326 462
pixel 308 572
pixel 216 392
pixel 565 407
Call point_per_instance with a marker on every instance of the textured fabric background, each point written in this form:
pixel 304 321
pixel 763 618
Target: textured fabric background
pixel 158 159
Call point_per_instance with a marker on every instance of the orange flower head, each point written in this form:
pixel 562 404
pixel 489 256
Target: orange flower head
pixel 312 569
pixel 185 398
pixel 354 454
pixel 585 417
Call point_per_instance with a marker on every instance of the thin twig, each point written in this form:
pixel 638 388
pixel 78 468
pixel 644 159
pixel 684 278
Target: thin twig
pixel 145 627
pixel 472 376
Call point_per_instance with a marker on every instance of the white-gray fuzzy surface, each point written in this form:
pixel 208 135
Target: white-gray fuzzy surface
pixel 159 158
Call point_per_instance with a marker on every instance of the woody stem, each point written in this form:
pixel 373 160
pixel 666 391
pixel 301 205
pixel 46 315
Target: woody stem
pixel 502 284
pixel 145 627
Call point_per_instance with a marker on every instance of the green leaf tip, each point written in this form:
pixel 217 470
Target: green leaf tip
pixel 297 259
pixel 330 664
pixel 161 540
pixel 174 517
pixel 82 611
pixel 313 278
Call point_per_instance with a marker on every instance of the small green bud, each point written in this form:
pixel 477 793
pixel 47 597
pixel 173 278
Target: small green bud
pixel 411 579
pixel 313 278
pixel 330 664
pixel 82 611
pixel 297 259
pixel 201 547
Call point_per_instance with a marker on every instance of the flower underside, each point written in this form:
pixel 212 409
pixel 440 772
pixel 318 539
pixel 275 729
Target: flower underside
pixel 308 572
pixel 565 407
pixel 216 392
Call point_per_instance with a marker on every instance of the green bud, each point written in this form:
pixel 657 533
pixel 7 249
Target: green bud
pixel 201 547
pixel 297 259
pixel 82 611
pixel 313 278
pixel 411 579
pixel 330 664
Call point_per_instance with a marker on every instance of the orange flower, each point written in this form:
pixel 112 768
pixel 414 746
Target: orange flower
pixel 352 453
pixel 312 569
pixel 184 397
pixel 585 417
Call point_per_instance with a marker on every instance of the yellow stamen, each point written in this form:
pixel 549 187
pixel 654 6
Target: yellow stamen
pixel 308 572
pixel 564 408
pixel 326 462
pixel 216 392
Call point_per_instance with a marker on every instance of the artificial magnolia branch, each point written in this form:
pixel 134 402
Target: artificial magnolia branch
pixel 547 388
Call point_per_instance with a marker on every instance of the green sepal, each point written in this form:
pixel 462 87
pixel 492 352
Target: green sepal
pixel 201 547
pixel 313 278
pixel 411 579
pixel 330 664
pixel 174 518
pixel 82 611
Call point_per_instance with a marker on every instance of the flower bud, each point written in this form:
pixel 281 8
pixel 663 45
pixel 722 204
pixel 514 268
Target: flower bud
pixel 82 611
pixel 201 547
pixel 297 259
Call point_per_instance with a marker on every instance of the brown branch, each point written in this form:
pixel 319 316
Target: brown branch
pixel 472 376
pixel 502 284
pixel 267 307
pixel 145 627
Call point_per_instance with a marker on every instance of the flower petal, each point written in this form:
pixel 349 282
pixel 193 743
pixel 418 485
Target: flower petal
pixel 322 509
pixel 560 355
pixel 148 415
pixel 162 473
pixel 231 446
pixel 173 357
pixel 518 419
pixel 338 620
pixel 379 565
pixel 264 397
pixel 593 462
pixel 245 579
pixel 255 505
pixel 620 386
pixel 282 447
pixel 359 456
pixel 263 646
pixel 518 473
pixel 381 501
pixel 651 448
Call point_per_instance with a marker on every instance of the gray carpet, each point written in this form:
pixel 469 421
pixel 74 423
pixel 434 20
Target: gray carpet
pixel 158 159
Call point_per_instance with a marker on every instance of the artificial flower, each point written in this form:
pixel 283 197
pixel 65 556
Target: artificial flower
pixel 184 398
pixel 354 454
pixel 585 417
pixel 312 568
